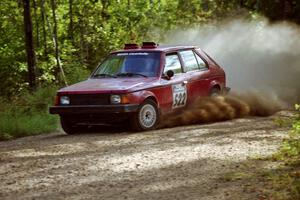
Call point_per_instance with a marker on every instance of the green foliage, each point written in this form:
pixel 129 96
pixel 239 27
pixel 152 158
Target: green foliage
pixel 283 122
pixel 88 32
pixel 12 59
pixel 285 182
pixel 296 125
pixel 18 124
pixel 27 114
pixel 292 146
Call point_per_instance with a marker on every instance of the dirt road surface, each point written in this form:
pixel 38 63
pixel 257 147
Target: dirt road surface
pixel 190 162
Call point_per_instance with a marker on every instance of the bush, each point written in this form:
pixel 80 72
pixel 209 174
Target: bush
pixel 292 146
pixel 296 125
pixel 17 124
pixel 27 114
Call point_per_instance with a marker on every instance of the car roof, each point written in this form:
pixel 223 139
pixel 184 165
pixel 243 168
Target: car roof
pixel 160 48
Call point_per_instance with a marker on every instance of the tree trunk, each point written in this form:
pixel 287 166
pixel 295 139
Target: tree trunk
pixel 37 43
pixel 44 29
pixel 58 64
pixel 128 4
pixel 29 45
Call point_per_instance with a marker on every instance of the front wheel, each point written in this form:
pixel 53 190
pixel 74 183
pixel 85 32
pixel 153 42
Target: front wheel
pixel 68 126
pixel 147 116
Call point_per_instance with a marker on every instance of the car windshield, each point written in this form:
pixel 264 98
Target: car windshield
pixel 132 64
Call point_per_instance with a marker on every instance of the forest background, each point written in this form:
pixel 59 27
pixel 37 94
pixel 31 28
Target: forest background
pixel 47 44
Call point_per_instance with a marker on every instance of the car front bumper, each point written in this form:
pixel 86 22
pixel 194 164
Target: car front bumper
pixel 94 109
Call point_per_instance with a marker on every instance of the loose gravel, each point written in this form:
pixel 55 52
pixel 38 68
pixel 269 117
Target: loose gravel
pixel 189 162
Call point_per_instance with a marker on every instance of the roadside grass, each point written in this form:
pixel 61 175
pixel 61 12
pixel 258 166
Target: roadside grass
pixel 280 182
pixel 27 114
pixel 234 176
pixel 286 180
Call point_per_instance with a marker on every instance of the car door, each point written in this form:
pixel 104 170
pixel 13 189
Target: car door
pixel 175 92
pixel 196 74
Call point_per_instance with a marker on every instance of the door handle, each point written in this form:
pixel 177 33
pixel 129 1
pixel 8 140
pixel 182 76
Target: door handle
pixel 184 82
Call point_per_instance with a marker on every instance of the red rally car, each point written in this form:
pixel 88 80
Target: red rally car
pixel 139 84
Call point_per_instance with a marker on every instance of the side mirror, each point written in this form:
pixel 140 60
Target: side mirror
pixel 170 74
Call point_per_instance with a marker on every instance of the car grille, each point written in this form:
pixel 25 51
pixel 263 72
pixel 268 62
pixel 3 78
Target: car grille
pixel 89 99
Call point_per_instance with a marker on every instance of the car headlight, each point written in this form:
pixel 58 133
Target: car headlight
pixel 64 100
pixel 115 99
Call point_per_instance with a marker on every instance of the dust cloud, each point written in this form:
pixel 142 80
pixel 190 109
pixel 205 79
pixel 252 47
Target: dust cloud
pixel 256 55
pixel 221 108
pixel 262 65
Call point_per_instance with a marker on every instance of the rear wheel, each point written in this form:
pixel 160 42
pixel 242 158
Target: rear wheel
pixel 215 92
pixel 68 126
pixel 147 116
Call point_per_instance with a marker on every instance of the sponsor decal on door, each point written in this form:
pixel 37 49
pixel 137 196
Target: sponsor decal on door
pixel 179 95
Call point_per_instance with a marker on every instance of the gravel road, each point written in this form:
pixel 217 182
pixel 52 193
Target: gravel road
pixel 190 162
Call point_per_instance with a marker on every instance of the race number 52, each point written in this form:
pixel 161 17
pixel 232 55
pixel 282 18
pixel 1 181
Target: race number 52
pixel 179 95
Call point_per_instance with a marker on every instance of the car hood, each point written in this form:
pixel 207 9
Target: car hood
pixel 110 85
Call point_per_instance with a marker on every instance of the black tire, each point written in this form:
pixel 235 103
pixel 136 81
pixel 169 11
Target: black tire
pixel 215 92
pixel 68 127
pixel 146 118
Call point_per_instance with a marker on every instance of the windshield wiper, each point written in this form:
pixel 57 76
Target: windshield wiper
pixel 104 75
pixel 130 74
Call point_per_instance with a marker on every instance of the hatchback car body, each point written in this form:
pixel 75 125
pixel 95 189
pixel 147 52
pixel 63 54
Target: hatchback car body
pixel 139 84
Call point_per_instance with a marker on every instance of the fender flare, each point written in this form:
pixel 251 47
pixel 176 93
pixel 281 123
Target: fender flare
pixel 143 95
pixel 215 84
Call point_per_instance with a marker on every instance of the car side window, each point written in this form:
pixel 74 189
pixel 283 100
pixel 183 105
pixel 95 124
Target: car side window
pixel 173 63
pixel 189 60
pixel 201 63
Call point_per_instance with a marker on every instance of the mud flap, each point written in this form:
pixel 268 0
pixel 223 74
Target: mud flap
pixel 226 90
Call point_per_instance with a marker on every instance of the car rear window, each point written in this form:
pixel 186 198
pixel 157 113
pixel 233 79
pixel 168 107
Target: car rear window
pixel 189 60
pixel 144 63
pixel 201 63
